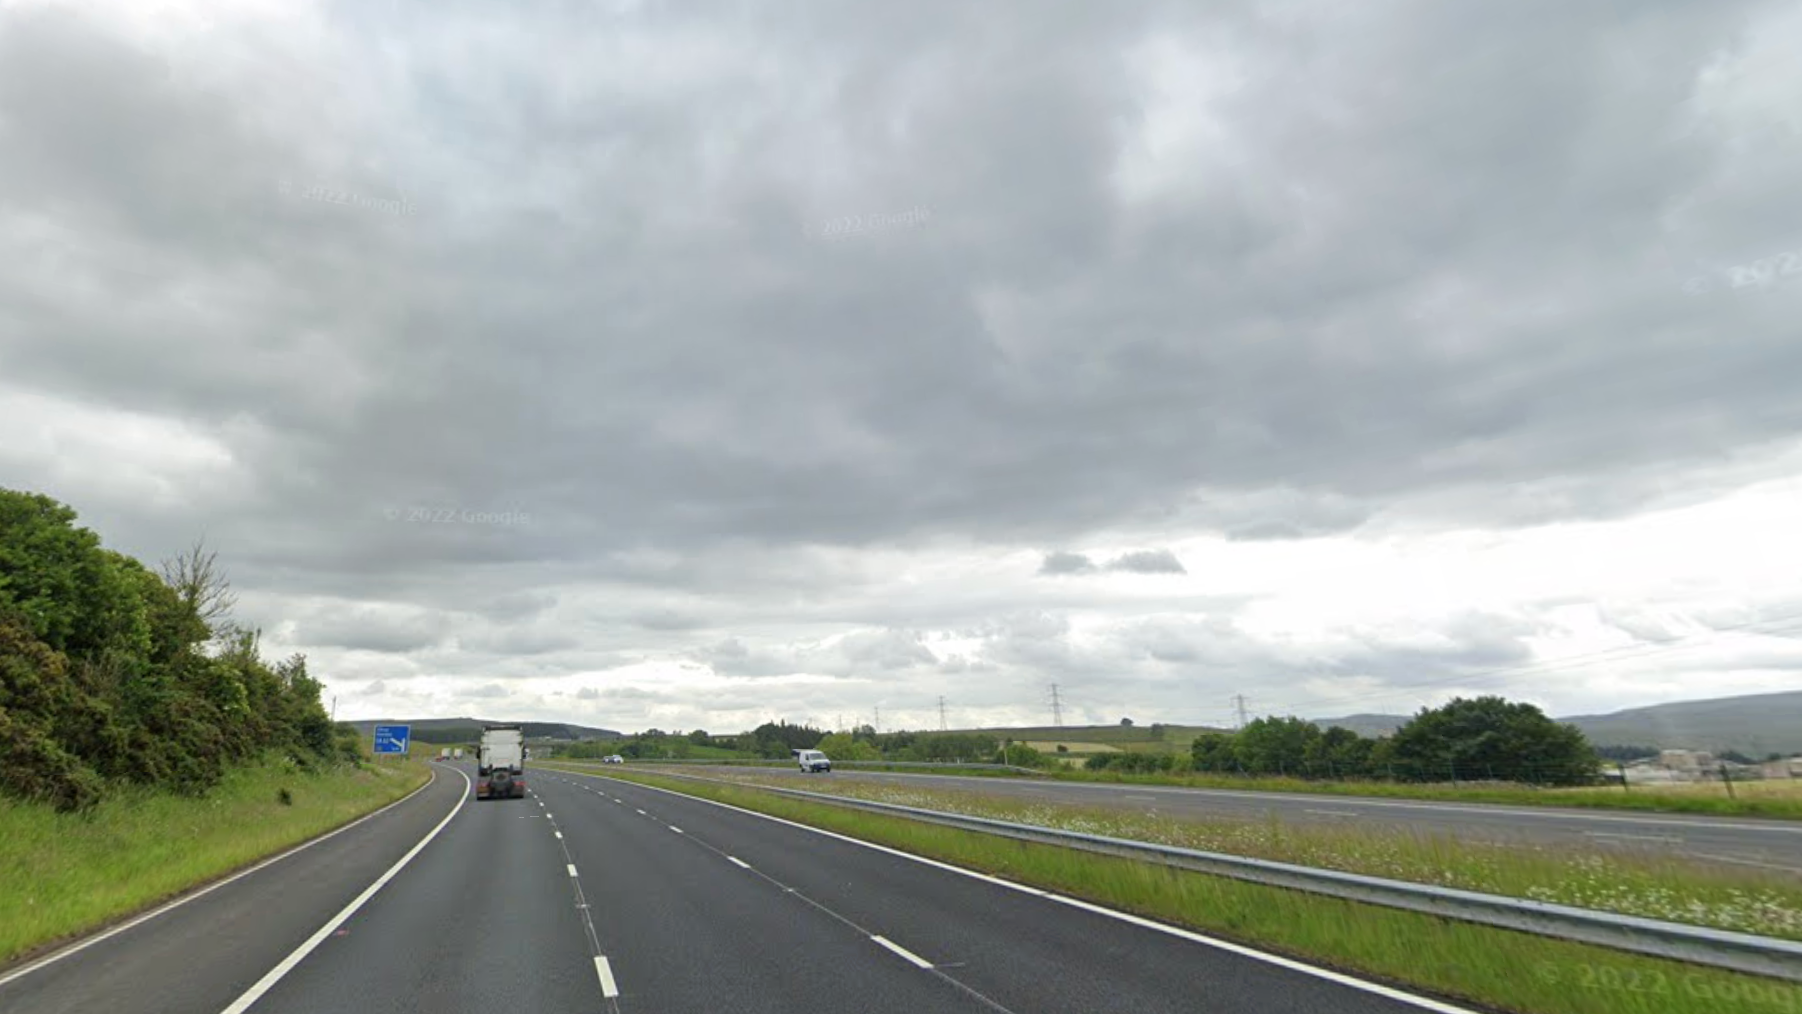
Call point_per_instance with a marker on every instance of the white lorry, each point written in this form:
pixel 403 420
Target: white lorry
pixel 501 763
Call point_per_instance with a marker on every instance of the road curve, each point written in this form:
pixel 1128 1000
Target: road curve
pixel 1771 845
pixel 202 953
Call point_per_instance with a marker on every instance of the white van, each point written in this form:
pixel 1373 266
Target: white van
pixel 813 760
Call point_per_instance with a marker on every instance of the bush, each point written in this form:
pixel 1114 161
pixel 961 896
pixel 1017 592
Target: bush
pixel 103 676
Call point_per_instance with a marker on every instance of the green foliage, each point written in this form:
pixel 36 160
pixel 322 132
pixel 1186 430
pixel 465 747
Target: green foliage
pixel 1491 738
pixel 1484 739
pixel 841 747
pixel 779 740
pixel 103 678
pixel 1021 755
pixel 1131 763
pixel 1275 746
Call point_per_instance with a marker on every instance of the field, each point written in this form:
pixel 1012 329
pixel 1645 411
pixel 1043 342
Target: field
pixel 63 875
pixel 1513 971
pixel 1087 739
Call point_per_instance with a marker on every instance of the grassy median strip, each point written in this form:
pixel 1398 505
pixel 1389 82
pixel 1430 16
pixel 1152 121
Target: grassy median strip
pixel 1653 885
pixel 1474 964
pixel 1773 798
pixel 64 874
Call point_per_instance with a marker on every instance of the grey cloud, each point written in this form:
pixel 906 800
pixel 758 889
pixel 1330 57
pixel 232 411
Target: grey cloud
pixel 668 619
pixel 588 694
pixel 1151 561
pixel 1338 308
pixel 488 691
pixel 374 628
pixel 1066 563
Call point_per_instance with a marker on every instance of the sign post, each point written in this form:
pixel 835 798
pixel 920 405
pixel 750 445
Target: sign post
pixel 391 739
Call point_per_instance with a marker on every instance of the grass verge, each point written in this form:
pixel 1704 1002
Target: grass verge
pixel 63 875
pixel 1475 964
pixel 1776 798
pixel 1643 883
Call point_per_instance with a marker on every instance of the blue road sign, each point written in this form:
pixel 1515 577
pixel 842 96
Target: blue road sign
pixel 391 738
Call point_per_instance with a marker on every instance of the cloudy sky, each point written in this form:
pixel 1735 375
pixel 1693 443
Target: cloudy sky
pixel 696 364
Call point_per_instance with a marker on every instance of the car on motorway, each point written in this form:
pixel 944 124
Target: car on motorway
pixel 813 760
pixel 613 759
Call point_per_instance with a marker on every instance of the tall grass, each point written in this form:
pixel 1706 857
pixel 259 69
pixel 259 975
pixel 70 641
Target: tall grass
pixel 65 874
pixel 1776 798
pixel 1476 964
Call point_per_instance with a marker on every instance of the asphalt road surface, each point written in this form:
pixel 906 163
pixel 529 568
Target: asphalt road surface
pixel 597 895
pixel 1763 844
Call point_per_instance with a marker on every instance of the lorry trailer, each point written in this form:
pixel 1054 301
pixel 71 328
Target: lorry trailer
pixel 501 763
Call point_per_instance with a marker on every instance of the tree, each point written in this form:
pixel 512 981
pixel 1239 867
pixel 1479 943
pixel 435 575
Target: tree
pixel 1126 723
pixel 1489 737
pixel 1214 751
pixel 1338 753
pixel 102 680
pixel 1276 746
pixel 699 737
pixel 201 585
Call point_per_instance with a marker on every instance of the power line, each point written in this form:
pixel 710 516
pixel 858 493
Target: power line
pixel 1787 624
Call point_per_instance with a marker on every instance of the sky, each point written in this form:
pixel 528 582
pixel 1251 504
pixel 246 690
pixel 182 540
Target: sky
pixel 693 365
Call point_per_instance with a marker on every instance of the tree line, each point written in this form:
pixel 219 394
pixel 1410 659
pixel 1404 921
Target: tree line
pixel 1480 739
pixel 112 674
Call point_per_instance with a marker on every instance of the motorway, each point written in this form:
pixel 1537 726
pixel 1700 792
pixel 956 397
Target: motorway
pixel 1745 843
pixel 593 894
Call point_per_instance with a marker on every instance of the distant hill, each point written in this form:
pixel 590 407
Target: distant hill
pixel 1755 725
pixel 458 730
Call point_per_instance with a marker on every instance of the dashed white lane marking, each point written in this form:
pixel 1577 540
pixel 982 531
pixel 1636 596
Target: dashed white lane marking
pixel 641 812
pixel 676 829
pixel 602 968
pixel 1334 813
pixel 918 962
pixel 740 863
pixel 1339 978
pixel 287 964
pixel 558 833
pixel 1634 837
pixel 572 869
pixel 1743 862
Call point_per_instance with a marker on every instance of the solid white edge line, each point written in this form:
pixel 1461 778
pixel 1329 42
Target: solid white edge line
pixel 740 863
pixel 604 969
pixel 572 869
pixel 1400 996
pixel 268 981
pixel 84 944
pixel 915 959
